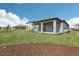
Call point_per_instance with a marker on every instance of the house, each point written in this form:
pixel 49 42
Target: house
pixel 29 26
pixel 50 25
pixel 2 28
pixel 19 27
pixel 76 27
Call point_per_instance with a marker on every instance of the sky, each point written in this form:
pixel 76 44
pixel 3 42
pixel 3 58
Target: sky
pixel 37 11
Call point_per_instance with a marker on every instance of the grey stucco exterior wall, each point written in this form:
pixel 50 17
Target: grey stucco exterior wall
pixel 66 27
pixel 54 27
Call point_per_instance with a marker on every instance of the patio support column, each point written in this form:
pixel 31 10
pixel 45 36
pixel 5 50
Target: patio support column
pixel 41 26
pixel 54 26
pixel 61 27
pixel 33 27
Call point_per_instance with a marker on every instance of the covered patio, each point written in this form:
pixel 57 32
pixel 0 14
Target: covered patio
pixel 51 26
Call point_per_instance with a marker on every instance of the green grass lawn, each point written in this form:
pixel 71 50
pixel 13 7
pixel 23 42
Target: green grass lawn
pixel 23 36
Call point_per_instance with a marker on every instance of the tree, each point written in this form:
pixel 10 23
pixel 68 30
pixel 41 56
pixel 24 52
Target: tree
pixel 8 27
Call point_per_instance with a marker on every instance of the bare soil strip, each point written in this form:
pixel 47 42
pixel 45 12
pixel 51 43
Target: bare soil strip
pixel 39 50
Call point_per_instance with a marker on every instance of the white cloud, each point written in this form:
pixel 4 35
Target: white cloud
pixel 2 13
pixel 10 18
pixel 73 21
pixel 24 20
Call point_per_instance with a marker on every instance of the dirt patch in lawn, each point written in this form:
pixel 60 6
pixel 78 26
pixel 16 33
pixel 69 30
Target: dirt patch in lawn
pixel 38 50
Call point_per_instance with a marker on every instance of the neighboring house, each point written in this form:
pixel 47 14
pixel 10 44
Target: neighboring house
pixel 2 28
pixel 20 27
pixel 51 25
pixel 5 28
pixel 29 26
pixel 76 27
